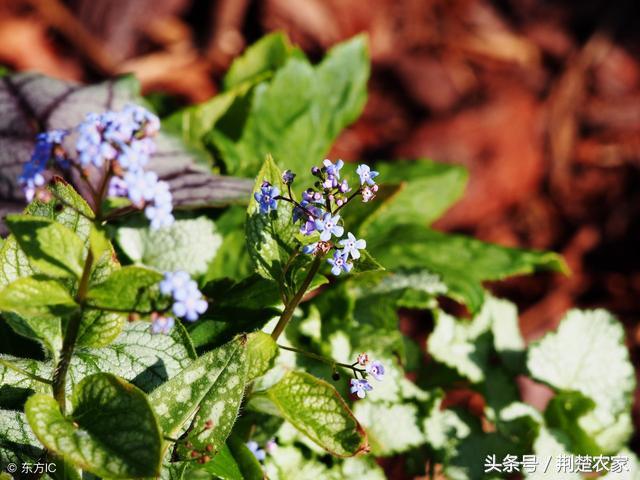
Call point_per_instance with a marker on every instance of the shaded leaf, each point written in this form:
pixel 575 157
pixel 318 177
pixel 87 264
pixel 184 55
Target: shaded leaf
pixel 51 248
pixel 425 190
pixel 111 432
pixel 36 297
pixel 126 289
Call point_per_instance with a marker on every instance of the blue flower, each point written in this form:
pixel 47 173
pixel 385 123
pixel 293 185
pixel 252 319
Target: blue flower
pixel 366 174
pixel 360 387
pixel 32 172
pixel 266 197
pixel 328 225
pixel 339 263
pixel 123 136
pixel 344 186
pixel 188 302
pixel 376 370
pixel 162 324
pixel 259 453
pixel 117 187
pixel 141 186
pixel 352 246
pixel 160 216
pixel 309 249
pixel 331 169
pixel 174 281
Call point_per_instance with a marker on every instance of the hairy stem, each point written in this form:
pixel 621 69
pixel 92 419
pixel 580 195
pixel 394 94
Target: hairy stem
pixel 328 361
pixel 293 303
pixel 70 337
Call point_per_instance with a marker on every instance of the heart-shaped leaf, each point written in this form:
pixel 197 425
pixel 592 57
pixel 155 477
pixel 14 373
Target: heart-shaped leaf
pixel 316 409
pixel 111 432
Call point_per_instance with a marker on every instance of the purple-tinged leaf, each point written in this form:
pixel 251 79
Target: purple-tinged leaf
pixel 31 103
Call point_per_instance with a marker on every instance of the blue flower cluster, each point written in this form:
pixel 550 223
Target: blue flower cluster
pixel 317 211
pixel 187 299
pixel 261 453
pixel 125 136
pixel 47 150
pixel 118 142
pixel 360 386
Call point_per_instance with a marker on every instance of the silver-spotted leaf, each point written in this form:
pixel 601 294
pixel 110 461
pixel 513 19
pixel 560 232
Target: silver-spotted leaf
pixel 188 245
pixel 207 394
pixel 316 409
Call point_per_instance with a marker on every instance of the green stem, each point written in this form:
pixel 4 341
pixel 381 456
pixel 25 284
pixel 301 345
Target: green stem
pixel 320 358
pixel 22 371
pixel 70 337
pixel 291 306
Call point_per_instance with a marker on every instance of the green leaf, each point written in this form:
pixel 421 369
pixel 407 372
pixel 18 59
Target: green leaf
pixel 222 466
pixel 70 210
pixel 247 462
pixel 112 431
pixel 563 413
pixel 137 355
pixel 587 354
pixel 232 258
pixel 316 409
pixel 211 388
pixel 298 114
pixel 260 59
pixel 187 245
pixel 36 297
pixel 262 351
pixel 127 289
pixel 270 237
pixel 51 248
pixel 256 64
pixel 550 444
pixel 425 190
pixel 391 427
pixel 462 263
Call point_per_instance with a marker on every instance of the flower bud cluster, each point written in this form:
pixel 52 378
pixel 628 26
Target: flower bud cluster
pixel 317 211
